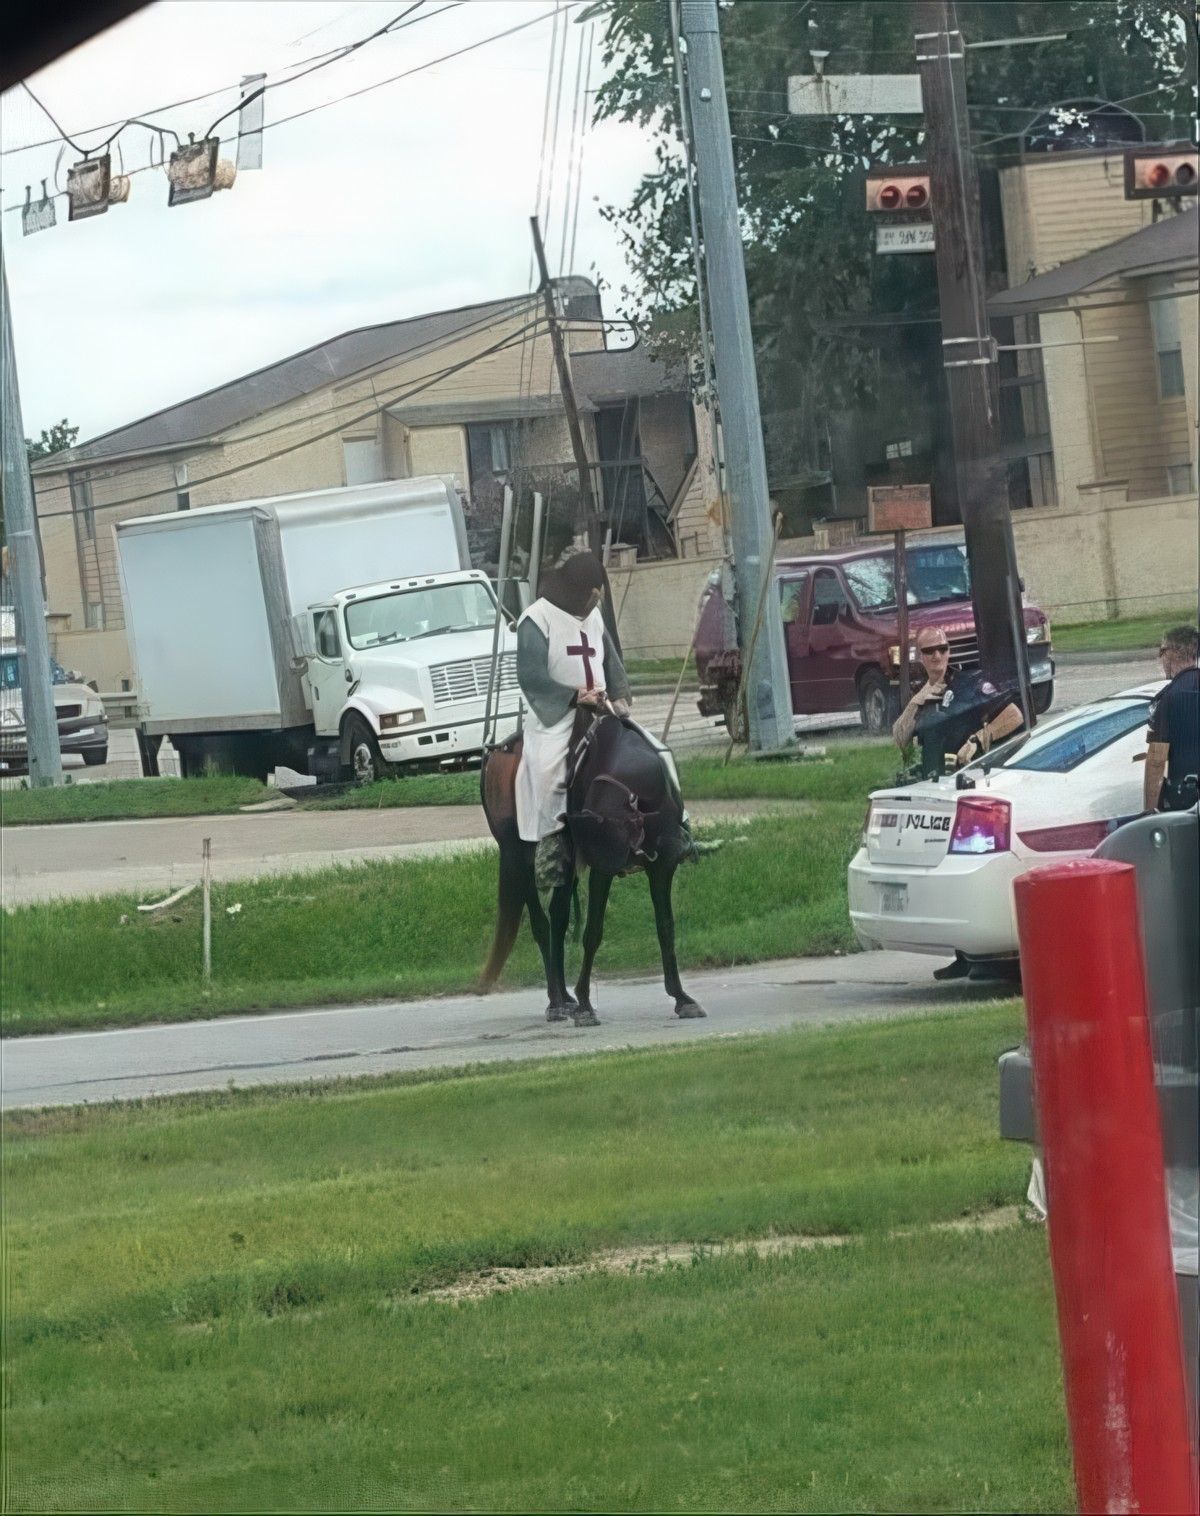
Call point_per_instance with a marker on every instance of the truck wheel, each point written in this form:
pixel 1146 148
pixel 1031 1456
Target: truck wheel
pixel 736 720
pixel 878 703
pixel 367 763
pixel 1043 697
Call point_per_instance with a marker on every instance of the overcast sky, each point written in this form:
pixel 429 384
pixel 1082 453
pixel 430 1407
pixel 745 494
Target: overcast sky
pixel 413 198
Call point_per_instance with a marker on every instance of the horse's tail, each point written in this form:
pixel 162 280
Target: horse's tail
pixel 510 903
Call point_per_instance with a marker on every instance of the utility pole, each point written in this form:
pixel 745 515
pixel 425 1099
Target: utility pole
pixel 968 351
pixel 587 516
pixel 37 692
pixel 768 688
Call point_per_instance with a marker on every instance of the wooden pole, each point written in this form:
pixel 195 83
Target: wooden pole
pixel 586 518
pixel 902 617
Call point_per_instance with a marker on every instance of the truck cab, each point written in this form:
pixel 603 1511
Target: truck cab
pixel 842 634
pixel 398 672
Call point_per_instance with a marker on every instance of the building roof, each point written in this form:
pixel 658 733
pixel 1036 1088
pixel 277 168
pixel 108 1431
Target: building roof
pixel 216 410
pixel 1165 247
pixel 620 373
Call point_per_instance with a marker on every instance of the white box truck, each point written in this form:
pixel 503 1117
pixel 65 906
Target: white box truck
pixel 339 632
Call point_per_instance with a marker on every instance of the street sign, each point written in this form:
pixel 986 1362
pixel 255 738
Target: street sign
pixel 855 95
pixel 899 507
pixel 916 237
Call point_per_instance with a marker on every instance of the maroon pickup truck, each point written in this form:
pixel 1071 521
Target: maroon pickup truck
pixel 839 615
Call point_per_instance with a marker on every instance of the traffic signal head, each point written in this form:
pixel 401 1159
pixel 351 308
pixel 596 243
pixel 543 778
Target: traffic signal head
pixel 903 189
pixel 1153 173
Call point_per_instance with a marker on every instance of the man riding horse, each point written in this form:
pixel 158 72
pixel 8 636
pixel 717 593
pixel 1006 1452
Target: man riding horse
pixel 584 788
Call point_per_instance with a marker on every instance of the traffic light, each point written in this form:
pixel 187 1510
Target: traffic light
pixel 1155 173
pixel 905 188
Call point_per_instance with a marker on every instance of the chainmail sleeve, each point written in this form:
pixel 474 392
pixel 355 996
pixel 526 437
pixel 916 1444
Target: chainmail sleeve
pixel 549 700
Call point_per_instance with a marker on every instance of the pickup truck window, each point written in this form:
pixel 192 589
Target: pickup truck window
pixel 937 574
pixel 791 598
pixel 407 615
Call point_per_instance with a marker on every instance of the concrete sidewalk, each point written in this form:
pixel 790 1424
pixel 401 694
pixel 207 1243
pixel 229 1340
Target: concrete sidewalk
pixel 299 1046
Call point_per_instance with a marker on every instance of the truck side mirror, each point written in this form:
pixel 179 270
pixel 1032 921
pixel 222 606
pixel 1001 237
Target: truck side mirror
pixel 304 636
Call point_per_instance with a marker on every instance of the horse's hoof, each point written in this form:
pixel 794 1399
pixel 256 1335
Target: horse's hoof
pixel 558 1013
pixel 585 1016
pixel 688 1010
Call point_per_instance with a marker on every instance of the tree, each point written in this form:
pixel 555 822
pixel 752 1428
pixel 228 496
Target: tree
pixel 60 436
pixel 814 281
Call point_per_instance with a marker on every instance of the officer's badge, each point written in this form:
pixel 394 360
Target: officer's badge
pixel 947 700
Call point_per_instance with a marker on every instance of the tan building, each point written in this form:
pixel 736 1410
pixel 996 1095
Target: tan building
pixel 471 392
pixel 1109 394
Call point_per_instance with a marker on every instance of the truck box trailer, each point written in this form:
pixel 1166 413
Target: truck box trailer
pixel 237 622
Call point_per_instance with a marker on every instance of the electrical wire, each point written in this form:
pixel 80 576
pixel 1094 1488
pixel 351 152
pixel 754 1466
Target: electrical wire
pixel 329 55
pixel 366 89
pixel 426 382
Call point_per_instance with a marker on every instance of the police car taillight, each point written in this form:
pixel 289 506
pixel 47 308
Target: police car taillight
pixel 981 825
pixel 1083 837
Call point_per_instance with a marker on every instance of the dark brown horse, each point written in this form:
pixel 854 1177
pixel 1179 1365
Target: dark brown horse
pixel 624 815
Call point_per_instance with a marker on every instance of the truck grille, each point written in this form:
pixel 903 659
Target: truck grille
pixel 964 651
pixel 468 679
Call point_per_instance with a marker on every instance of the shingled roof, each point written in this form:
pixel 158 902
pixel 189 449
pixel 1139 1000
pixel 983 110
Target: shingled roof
pixel 216 410
pixel 1165 247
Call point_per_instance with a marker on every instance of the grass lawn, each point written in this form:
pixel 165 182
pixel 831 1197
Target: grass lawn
pixel 423 926
pixel 126 799
pixel 859 767
pixel 215 1303
pixel 1133 633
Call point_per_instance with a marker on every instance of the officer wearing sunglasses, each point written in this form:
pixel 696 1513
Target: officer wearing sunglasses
pixel 1170 782
pixel 957 714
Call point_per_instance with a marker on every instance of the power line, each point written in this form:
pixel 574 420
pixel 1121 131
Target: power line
pixel 330 55
pixel 366 89
pixel 427 381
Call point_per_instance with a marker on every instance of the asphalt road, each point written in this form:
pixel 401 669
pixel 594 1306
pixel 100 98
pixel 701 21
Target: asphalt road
pixel 290 1047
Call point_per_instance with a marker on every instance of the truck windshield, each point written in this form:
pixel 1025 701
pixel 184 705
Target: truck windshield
pixel 937 573
pixel 424 612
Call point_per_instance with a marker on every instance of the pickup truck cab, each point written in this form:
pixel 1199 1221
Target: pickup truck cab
pixel 397 672
pixel 842 636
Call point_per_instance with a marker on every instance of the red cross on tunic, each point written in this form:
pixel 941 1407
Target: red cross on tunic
pixel 587 652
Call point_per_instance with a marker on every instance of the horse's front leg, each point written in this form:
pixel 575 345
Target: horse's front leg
pixel 599 886
pixel 661 875
pixel 559 1004
pixel 561 1000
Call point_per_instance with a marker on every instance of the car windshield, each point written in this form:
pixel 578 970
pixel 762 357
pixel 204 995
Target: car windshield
pixel 10 673
pixel 1063 745
pixel 937 573
pixel 424 612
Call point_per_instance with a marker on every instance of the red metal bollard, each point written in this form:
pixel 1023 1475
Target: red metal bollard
pixel 1110 1244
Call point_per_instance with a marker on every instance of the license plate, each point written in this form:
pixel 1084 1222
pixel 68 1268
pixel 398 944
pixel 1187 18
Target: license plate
pixel 893 899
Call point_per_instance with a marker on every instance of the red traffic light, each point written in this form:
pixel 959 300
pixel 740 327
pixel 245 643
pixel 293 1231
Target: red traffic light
pixel 1152 173
pixel 898 190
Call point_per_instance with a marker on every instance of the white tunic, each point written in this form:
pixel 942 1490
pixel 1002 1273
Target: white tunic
pixel 576 660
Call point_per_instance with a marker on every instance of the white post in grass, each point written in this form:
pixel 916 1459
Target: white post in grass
pixel 206 891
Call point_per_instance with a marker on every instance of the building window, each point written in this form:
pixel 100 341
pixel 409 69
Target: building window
pixel 183 496
pixel 489 449
pixel 362 460
pixel 901 449
pixel 81 504
pixel 1168 348
pixel 94 615
pixel 1179 479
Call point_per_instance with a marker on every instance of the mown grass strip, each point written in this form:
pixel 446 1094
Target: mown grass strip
pixel 1131 633
pixel 776 888
pixel 129 800
pixel 215 1303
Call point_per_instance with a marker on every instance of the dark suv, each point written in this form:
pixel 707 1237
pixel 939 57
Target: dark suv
pixel 843 649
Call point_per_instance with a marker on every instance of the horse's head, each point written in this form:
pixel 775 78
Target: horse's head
pixel 619 798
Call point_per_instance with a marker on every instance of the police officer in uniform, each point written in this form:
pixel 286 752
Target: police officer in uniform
pixel 1173 759
pixel 956 714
